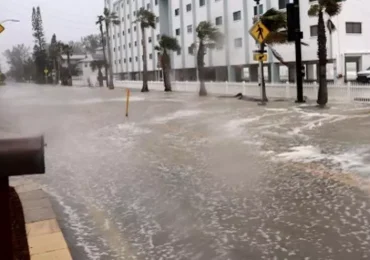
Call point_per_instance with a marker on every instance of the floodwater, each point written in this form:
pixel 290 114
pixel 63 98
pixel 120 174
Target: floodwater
pixel 191 178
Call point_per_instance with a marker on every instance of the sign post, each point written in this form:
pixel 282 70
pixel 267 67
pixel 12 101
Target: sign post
pixel 259 32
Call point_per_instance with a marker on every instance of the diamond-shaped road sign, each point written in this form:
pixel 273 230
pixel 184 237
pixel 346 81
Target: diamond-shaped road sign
pixel 259 32
pixel 2 28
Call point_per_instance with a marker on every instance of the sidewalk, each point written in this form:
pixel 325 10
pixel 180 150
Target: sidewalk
pixel 45 239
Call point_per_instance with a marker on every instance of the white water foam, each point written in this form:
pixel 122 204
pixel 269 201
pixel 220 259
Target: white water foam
pixel 176 115
pixel 101 100
pixel 133 129
pixel 236 125
pixel 351 161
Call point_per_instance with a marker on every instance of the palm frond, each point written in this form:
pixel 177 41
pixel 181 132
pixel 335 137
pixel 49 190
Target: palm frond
pixel 332 7
pixel 314 10
pixel 331 26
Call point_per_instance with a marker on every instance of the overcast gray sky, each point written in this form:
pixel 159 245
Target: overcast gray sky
pixel 68 19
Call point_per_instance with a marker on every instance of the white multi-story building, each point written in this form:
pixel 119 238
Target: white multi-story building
pixel 348 46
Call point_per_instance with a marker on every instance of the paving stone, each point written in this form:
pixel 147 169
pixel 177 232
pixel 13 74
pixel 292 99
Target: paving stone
pixel 35 204
pixel 42 228
pixel 55 255
pixel 46 243
pixel 39 214
pixel 32 195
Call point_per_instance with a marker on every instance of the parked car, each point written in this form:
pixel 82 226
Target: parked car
pixel 363 76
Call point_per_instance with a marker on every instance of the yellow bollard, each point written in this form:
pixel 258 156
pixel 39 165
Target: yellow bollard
pixel 127 100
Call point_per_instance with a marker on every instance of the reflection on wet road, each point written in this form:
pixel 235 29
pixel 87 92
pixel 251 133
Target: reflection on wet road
pixel 199 178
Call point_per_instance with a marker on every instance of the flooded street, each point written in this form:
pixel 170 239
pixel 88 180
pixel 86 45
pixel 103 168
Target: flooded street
pixel 189 178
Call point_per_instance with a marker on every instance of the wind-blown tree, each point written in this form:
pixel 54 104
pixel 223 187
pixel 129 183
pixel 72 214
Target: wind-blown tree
pixel 166 45
pixel 209 37
pixel 100 22
pixel 146 19
pixel 330 8
pixel 68 51
pixel 54 55
pixel 98 65
pixel 17 58
pixel 39 49
pixel 109 18
pixel 91 43
pixel 77 47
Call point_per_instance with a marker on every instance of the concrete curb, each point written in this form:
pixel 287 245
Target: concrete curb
pixel 44 236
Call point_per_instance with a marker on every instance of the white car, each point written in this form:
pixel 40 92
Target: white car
pixel 363 76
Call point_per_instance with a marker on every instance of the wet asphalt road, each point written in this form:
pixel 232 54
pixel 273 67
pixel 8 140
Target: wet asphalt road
pixel 190 178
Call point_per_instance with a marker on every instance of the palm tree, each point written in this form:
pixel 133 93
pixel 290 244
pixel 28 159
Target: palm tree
pixel 108 18
pixel 98 65
pixel 100 22
pixel 209 36
pixel 330 8
pixel 68 51
pixel 147 20
pixel 167 44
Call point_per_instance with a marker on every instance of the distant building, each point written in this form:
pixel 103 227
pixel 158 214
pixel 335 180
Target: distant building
pixel 348 48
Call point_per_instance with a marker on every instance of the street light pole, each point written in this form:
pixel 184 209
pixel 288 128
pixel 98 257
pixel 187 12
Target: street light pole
pixel 260 63
pixel 10 20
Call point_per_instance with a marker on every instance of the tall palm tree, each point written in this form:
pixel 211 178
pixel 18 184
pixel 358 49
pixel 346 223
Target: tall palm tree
pixel 68 51
pixel 109 18
pixel 209 36
pixel 147 20
pixel 330 8
pixel 98 65
pixel 167 44
pixel 100 22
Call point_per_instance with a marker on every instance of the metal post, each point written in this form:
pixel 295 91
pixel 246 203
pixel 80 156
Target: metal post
pixel 260 63
pixel 298 53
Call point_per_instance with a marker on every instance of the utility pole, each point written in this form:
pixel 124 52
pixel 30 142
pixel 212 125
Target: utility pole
pixel 295 34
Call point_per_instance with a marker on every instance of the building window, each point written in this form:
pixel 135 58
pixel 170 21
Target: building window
pixel 119 61
pixel 114 49
pixel 128 16
pixel 353 27
pixel 134 28
pixel 134 13
pixel 157 19
pixel 313 30
pixel 190 28
pixel 177 32
pixel 136 58
pixel 179 52
pixel 188 7
pixel 129 30
pixel 130 59
pixel 123 32
pixel 202 2
pixel 124 47
pixel 238 42
pixel 150 39
pixel 190 50
pixel 150 56
pixel 135 43
pixel 282 4
pixel 158 37
pixel 129 45
pixel 237 16
pixel 177 12
pixel 219 20
pixel 124 60
pixel 148 6
pixel 260 9
pixel 156 2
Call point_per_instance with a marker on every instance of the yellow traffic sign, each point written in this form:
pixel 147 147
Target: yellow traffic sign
pixel 2 28
pixel 259 32
pixel 46 71
pixel 260 57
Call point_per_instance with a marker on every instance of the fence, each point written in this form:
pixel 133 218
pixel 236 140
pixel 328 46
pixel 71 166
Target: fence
pixel 343 92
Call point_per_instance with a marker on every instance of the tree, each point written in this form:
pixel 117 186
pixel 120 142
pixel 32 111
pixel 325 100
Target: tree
pixel 91 43
pixel 146 19
pixel 39 49
pixel 330 8
pixel 54 55
pixel 77 47
pixel 167 44
pixel 17 59
pixel 209 36
pixel 98 65
pixel 108 18
pixel 100 22
pixel 68 51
